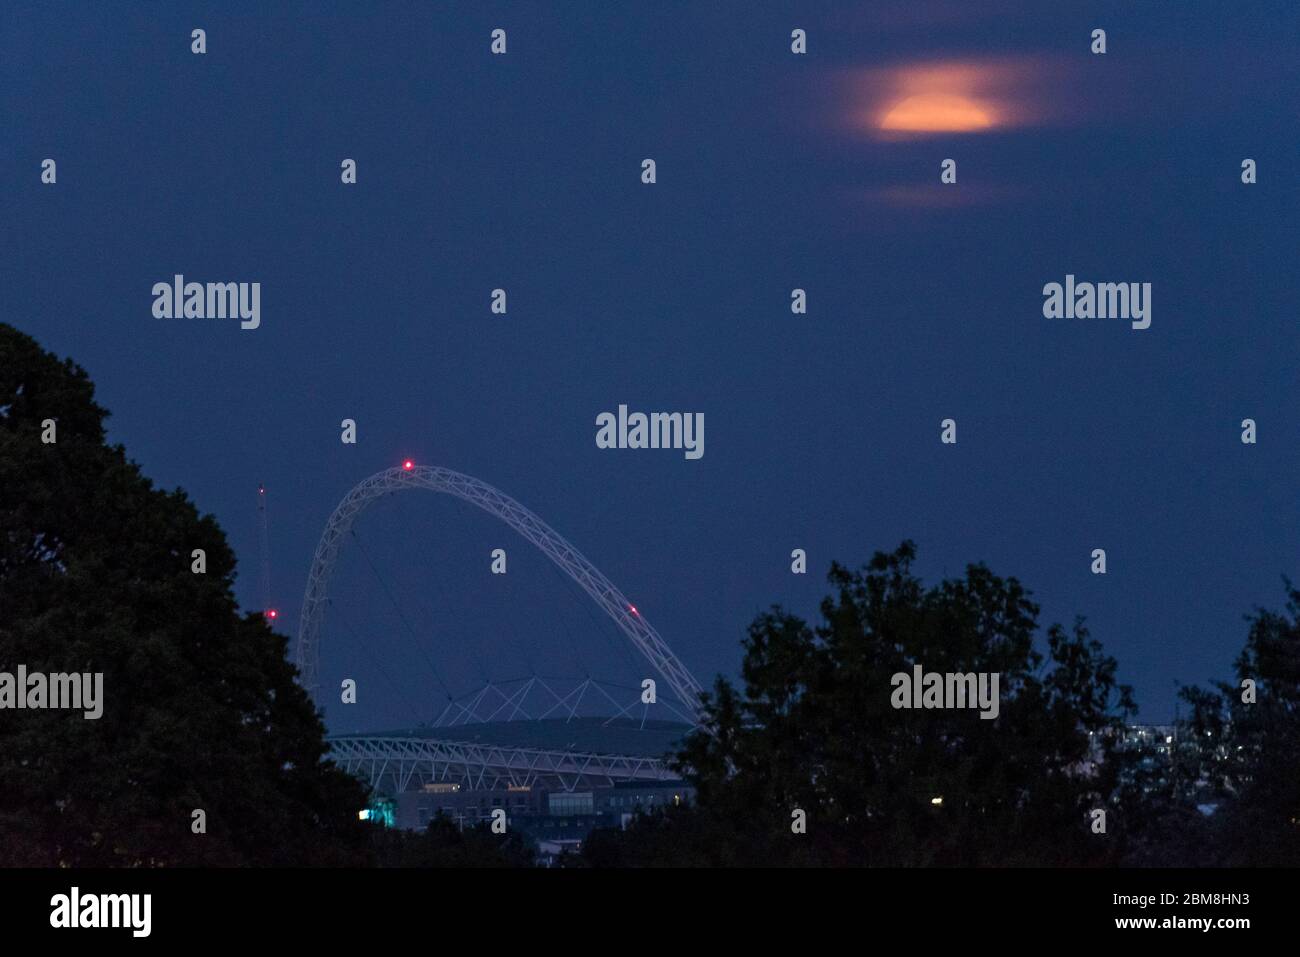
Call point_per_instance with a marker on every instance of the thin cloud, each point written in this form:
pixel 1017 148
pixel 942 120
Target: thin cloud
pixel 934 196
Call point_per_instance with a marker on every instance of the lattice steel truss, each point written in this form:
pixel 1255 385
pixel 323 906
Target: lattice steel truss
pixel 393 764
pixel 535 699
pixel 502 506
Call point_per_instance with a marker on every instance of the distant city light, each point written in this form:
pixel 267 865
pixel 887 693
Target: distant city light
pixel 408 465
pixel 936 801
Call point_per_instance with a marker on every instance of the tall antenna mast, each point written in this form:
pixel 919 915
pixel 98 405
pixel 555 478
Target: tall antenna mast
pixel 265 549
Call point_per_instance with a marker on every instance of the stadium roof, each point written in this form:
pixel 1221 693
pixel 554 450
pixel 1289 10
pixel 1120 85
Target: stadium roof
pixel 622 736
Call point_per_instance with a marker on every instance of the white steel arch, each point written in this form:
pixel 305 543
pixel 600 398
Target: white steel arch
pixel 502 506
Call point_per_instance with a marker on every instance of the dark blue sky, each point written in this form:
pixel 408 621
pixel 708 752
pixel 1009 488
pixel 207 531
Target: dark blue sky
pixel 822 431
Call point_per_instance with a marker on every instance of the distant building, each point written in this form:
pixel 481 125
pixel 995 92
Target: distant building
pixel 610 806
pixel 555 820
pixel 1155 741
pixel 1156 738
pixel 556 813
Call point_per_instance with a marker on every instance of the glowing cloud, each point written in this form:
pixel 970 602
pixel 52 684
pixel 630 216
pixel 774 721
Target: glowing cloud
pixel 953 96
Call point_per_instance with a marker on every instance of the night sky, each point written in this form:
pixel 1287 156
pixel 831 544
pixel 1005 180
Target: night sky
pixel 822 430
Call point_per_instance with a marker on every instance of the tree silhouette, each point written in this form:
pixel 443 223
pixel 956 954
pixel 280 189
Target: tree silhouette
pixel 444 844
pixel 813 729
pixel 201 710
pixel 1241 758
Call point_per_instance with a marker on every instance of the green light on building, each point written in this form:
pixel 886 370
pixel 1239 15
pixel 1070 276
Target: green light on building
pixel 381 811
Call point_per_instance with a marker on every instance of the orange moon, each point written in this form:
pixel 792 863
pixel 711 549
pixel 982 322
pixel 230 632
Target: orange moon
pixel 938 113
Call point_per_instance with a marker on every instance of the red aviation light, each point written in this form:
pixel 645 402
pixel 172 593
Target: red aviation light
pixel 408 465
pixel 272 613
